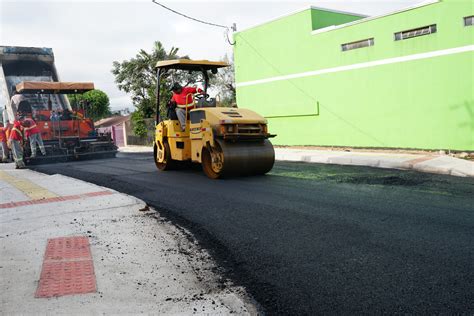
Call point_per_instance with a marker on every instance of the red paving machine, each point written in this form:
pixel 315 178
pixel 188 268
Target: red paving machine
pixel 66 131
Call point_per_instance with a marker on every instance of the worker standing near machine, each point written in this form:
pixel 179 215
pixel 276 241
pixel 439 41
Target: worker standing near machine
pixel 183 97
pixel 15 101
pixel 33 133
pixel 15 140
pixel 3 143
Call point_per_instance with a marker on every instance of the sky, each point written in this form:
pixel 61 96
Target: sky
pixel 87 36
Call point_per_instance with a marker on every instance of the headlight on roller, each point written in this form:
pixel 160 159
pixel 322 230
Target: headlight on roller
pixel 222 129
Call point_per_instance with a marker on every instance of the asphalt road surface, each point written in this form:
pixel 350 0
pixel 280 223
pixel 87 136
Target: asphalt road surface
pixel 318 239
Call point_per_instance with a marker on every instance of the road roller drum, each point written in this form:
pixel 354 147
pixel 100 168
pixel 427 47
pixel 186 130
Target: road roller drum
pixel 239 159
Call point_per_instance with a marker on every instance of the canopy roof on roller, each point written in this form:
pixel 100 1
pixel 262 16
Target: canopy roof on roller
pixel 44 87
pixel 188 64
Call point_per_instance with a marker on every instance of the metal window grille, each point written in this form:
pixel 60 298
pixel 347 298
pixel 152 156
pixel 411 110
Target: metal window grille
pixel 469 20
pixel 359 44
pixel 425 30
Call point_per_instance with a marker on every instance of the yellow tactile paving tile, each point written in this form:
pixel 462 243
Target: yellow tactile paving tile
pixel 32 190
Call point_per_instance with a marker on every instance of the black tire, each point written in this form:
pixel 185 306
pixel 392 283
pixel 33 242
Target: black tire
pixel 168 163
pixel 207 165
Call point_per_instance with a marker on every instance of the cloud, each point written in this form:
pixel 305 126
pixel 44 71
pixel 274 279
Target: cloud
pixel 183 28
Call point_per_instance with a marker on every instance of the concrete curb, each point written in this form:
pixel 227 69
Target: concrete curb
pixel 423 163
pixel 136 149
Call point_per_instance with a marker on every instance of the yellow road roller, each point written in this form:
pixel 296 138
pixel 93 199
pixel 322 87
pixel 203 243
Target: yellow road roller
pixel 226 141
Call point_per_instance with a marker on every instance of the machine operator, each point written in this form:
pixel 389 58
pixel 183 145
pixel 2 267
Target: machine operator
pixel 183 97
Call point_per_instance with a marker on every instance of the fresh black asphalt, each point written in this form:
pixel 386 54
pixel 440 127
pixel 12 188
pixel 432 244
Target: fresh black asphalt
pixel 318 239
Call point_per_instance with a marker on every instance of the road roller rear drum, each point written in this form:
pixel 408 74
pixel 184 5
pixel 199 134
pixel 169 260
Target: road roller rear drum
pixel 162 157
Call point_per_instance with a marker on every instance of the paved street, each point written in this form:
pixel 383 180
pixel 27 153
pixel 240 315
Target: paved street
pixel 311 238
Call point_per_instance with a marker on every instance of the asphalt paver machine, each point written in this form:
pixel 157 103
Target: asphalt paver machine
pixel 226 141
pixel 67 133
pixel 66 130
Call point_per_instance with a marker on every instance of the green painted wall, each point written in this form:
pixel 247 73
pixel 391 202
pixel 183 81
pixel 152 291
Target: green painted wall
pixel 426 103
pixel 322 18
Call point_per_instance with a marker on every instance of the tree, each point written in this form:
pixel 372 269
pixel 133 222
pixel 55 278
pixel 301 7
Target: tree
pixel 139 125
pixel 96 103
pixel 225 83
pixel 137 76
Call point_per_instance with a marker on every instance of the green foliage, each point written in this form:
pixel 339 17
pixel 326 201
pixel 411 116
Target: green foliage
pixel 224 82
pixel 137 77
pixel 138 122
pixel 95 102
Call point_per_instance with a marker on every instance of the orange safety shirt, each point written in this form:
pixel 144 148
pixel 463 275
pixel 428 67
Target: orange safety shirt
pixel 185 97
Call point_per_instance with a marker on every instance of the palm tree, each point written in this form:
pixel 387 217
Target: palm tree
pixel 137 76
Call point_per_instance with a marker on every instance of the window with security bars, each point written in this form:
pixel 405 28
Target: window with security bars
pixel 359 44
pixel 469 20
pixel 425 30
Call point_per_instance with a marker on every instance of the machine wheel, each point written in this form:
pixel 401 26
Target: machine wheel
pixel 168 163
pixel 237 159
pixel 213 163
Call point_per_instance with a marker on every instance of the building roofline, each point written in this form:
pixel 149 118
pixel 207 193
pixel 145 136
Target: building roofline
pixel 338 11
pixel 370 18
pixel 113 120
pixel 299 11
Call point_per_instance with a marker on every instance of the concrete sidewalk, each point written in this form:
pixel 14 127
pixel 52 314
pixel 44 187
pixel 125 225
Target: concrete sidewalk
pixel 423 162
pixel 71 247
pixel 432 163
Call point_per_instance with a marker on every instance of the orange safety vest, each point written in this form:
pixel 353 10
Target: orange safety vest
pixel 3 134
pixel 16 134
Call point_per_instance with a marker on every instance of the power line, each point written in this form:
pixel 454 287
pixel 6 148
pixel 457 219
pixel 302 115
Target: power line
pixel 226 34
pixel 227 29
pixel 189 17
